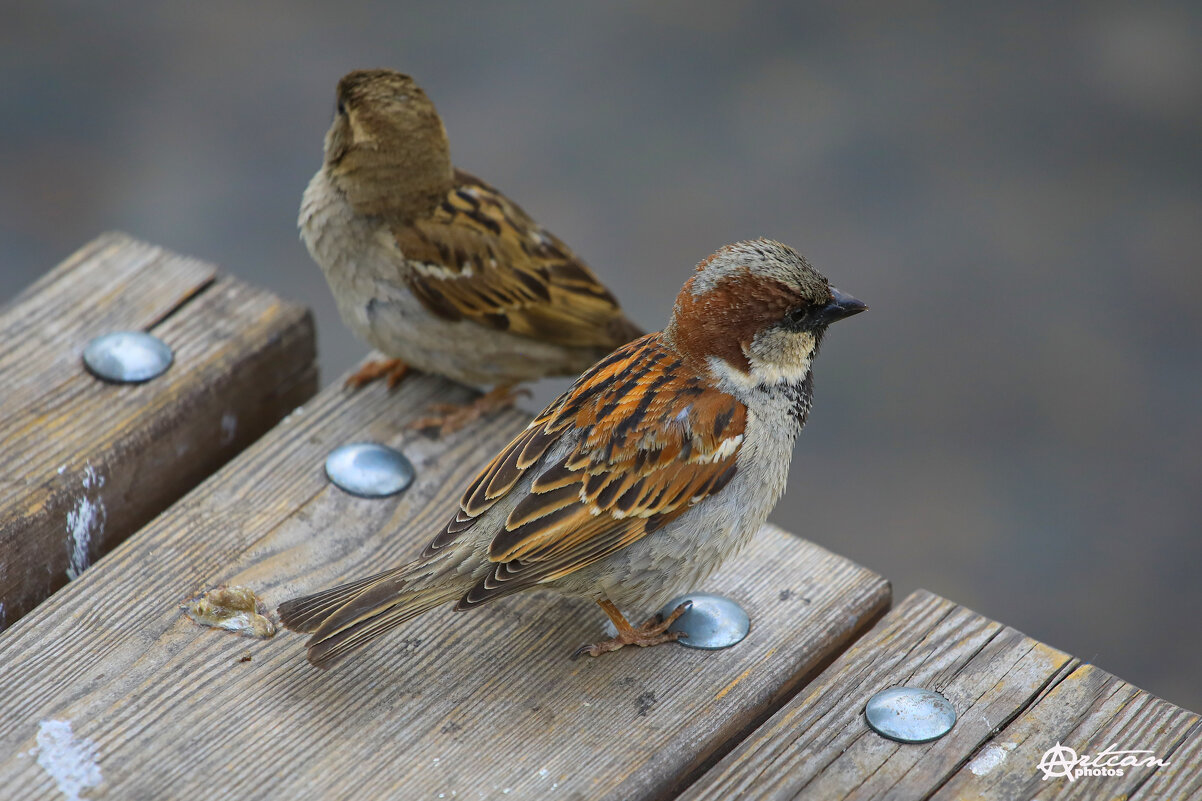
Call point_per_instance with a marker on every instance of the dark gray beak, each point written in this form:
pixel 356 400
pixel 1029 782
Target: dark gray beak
pixel 843 305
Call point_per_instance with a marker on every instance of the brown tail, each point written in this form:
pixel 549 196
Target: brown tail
pixel 347 617
pixel 307 613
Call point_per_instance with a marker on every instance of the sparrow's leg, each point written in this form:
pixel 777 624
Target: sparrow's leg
pixel 448 417
pixel 653 632
pixel 393 369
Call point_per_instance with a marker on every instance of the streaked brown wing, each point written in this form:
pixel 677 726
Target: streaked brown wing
pixel 651 440
pixel 480 257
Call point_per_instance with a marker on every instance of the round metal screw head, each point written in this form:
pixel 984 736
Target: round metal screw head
pixel 369 469
pixel 127 357
pixel 910 714
pixel 711 623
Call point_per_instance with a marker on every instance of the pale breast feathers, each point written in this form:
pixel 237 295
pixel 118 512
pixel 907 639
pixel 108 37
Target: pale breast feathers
pixel 648 441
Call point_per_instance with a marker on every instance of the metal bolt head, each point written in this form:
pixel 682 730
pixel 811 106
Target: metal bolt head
pixel 369 469
pixel 127 357
pixel 910 714
pixel 713 622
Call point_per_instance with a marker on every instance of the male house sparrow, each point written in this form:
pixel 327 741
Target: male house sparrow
pixel 661 460
pixel 435 268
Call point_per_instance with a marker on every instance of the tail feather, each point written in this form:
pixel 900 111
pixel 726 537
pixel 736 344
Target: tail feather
pixel 306 613
pixel 382 606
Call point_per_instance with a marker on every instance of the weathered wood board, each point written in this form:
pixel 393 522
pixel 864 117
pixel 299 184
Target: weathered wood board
pixel 1182 777
pixel 85 463
pixel 1015 698
pixel 484 704
pixel 1089 711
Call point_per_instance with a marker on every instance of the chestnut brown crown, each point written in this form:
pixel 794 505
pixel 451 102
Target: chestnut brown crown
pixel 752 291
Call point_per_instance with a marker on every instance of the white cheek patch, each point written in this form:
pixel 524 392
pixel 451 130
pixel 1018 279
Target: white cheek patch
pixel 730 378
pixel 782 358
pixel 771 374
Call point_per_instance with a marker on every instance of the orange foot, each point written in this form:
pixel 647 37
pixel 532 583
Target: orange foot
pixel 653 632
pixel 393 369
pixel 450 417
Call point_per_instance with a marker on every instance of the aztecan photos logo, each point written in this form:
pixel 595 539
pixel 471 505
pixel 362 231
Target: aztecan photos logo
pixel 1060 761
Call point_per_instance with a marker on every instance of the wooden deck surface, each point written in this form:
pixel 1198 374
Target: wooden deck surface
pixel 1015 699
pixel 86 463
pixel 479 704
pixel 108 691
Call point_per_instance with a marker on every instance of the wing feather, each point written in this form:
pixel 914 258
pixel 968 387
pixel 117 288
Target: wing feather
pixel 479 256
pixel 648 440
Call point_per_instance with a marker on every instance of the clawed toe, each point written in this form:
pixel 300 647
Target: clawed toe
pixel 394 370
pixel 587 648
pixel 446 418
pixel 653 632
pixel 450 417
pixel 676 613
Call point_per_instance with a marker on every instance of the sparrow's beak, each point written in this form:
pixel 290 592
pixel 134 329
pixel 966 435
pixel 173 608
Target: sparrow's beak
pixel 843 305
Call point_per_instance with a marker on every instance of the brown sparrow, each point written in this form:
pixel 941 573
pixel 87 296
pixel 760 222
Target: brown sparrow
pixel 435 268
pixel 662 460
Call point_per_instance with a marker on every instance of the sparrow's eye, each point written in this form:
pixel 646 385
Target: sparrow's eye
pixel 797 318
pixel 341 108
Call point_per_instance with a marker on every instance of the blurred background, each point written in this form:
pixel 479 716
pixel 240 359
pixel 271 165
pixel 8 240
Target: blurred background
pixel 1014 188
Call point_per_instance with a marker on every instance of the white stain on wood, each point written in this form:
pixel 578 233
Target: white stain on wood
pixel 71 763
pixel 229 427
pixel 85 520
pixel 990 758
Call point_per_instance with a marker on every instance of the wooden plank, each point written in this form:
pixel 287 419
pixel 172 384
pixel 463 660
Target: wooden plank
pixel 483 704
pixel 1014 697
pixel 1089 711
pixel 1182 777
pixel 86 463
pixel 819 745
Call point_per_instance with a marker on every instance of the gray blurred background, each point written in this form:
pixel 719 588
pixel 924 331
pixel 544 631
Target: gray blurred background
pixel 1013 188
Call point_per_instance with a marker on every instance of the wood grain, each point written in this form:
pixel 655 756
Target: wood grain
pixel 1014 699
pixel 483 704
pixel 820 746
pixel 1089 710
pixel 86 463
pixel 1182 777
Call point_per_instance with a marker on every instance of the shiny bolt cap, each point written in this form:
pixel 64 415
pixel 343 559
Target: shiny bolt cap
pixel 127 357
pixel 369 469
pixel 711 623
pixel 910 714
